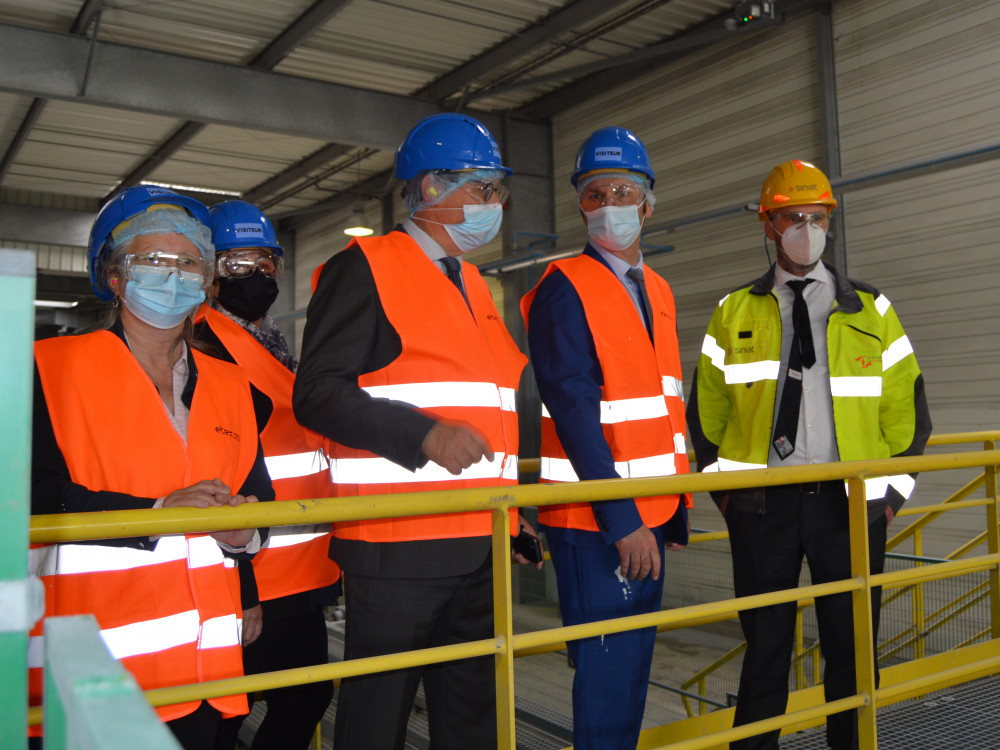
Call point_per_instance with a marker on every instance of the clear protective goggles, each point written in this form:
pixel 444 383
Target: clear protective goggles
pixel 487 191
pixel 595 196
pixel 154 268
pixel 238 264
pixel 794 218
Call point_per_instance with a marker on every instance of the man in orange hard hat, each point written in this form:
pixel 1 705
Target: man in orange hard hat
pixel 803 366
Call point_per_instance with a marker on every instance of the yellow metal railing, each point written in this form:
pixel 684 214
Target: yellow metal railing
pixel 924 623
pixel 505 644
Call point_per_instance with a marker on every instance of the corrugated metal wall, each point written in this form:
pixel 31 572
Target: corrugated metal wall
pixel 914 81
pixel 919 80
pixel 714 124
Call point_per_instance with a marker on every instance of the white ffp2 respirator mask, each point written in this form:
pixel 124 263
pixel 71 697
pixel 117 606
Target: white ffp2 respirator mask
pixel 803 243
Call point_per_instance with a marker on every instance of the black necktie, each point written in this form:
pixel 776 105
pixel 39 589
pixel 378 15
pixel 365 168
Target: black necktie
pixel 802 355
pixel 636 275
pixel 454 271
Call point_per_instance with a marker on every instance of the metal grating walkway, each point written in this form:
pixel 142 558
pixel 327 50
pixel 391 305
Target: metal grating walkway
pixel 961 718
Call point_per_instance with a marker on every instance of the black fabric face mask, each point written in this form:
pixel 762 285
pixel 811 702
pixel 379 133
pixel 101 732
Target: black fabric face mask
pixel 249 297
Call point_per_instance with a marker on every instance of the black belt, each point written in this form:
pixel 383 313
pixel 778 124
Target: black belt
pixel 813 488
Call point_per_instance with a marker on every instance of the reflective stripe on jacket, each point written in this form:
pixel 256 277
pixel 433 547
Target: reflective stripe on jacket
pixel 642 404
pixel 879 407
pixel 294 559
pixel 171 614
pixel 455 366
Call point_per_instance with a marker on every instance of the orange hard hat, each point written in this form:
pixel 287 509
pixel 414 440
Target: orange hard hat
pixel 795 183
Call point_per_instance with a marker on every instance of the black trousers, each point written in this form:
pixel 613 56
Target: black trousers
pixel 388 615
pixel 286 642
pixel 767 549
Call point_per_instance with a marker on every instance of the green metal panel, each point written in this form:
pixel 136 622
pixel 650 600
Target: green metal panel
pixel 91 701
pixel 17 293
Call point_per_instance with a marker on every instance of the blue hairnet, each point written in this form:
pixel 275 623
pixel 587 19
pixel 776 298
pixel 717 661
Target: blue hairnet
pixel 164 221
pixel 442 184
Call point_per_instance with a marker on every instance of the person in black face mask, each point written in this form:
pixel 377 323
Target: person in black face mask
pixel 284 593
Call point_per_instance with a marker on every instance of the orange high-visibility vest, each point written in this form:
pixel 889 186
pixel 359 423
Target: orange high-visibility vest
pixel 642 400
pixel 294 558
pixel 454 365
pixel 171 615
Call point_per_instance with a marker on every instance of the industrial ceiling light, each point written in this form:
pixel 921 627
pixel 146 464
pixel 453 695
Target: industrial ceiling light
pixel 358 226
pixel 56 303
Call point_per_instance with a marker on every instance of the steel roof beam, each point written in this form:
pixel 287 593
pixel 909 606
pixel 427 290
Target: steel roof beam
pixel 313 18
pixel 80 25
pixel 534 37
pixel 43 63
pixel 298 170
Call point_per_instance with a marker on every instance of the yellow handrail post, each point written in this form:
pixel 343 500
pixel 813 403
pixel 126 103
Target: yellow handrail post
pixel 503 628
pixel 919 608
pixel 864 651
pixel 800 672
pixel 993 539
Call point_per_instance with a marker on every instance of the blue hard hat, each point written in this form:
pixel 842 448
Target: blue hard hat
pixel 447 141
pixel 126 205
pixel 237 224
pixel 613 149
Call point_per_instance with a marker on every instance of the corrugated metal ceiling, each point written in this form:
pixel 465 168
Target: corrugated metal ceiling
pixel 389 46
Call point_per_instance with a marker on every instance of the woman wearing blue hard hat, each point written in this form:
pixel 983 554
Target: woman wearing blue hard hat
pixel 132 417
pixel 294 574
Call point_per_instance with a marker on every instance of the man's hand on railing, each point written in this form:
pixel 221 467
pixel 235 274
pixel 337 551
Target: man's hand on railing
pixel 639 555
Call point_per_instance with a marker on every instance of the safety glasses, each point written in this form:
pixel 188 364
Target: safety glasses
pixel 596 196
pixel 154 268
pixel 486 191
pixel 238 264
pixel 793 218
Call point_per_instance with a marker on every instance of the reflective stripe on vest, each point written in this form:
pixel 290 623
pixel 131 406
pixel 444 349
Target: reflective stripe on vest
pixel 561 470
pixel 296 465
pixel 856 387
pixel 877 487
pixel 748 372
pixel 149 594
pixel 453 366
pixel 289 536
pixel 378 470
pixel 897 350
pixel 295 460
pixel 642 407
pixel 431 395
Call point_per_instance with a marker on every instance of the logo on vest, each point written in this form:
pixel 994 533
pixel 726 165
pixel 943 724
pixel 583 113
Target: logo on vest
pixel 223 431
pixel 867 360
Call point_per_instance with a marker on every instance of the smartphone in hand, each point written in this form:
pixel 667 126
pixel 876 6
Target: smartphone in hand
pixel 527 546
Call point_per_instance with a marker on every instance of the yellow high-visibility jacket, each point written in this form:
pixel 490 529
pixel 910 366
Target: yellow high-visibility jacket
pixel 879 406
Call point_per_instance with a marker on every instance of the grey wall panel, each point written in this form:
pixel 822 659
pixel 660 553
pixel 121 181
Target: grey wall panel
pixel 917 80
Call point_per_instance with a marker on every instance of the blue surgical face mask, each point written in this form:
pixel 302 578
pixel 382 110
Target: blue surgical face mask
pixel 481 224
pixel 163 304
pixel 614 227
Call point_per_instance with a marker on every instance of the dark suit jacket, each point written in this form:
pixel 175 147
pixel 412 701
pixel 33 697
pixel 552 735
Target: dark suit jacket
pixel 347 334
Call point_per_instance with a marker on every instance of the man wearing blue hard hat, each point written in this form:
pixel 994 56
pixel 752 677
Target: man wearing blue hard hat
pixel 410 373
pixel 603 337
